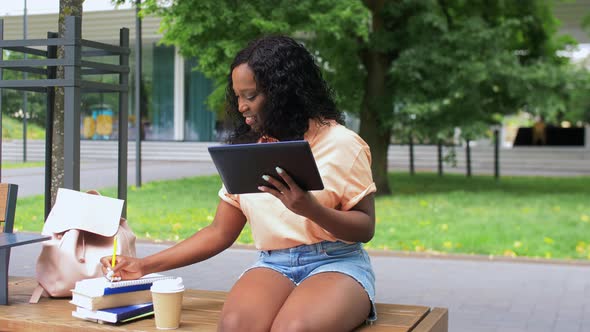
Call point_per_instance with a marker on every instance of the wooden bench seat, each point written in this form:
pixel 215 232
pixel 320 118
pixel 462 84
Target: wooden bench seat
pixel 200 312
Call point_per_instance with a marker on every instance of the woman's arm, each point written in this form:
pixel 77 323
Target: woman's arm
pixel 208 242
pixel 354 225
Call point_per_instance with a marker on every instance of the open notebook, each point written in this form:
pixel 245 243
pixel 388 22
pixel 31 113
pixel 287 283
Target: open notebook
pixel 101 286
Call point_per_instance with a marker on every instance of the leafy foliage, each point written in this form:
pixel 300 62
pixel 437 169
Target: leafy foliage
pixel 577 107
pixel 13 129
pixel 427 66
pixel 214 31
pixel 487 60
pixel 12 100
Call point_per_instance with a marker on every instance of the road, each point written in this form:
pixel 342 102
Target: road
pixel 103 174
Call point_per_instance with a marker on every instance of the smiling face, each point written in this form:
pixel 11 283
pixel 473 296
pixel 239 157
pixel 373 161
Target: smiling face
pixel 250 100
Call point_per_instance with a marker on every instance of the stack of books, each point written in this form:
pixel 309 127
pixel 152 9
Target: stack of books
pixel 102 301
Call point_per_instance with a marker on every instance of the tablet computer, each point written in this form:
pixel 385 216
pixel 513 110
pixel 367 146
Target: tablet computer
pixel 241 166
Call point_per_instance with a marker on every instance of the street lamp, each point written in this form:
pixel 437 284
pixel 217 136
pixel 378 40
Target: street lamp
pixel 25 76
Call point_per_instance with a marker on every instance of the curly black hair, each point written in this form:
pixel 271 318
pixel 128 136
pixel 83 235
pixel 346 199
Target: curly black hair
pixel 295 91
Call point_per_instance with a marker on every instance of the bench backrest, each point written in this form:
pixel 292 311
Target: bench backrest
pixel 8 194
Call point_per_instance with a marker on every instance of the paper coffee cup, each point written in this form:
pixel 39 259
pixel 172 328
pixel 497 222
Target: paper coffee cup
pixel 167 298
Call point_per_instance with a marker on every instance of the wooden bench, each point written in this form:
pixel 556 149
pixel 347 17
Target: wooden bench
pixel 200 312
pixel 8 239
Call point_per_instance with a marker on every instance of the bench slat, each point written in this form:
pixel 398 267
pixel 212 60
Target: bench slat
pixel 436 321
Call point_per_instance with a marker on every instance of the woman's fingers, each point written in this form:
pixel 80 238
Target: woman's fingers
pixel 288 192
pixel 125 267
pixel 287 178
pixel 105 261
pixel 106 267
pixel 120 263
pixel 280 187
pixel 107 264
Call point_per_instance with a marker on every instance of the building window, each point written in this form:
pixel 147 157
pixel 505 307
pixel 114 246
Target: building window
pixel 199 121
pixel 100 111
pixel 99 116
pixel 158 78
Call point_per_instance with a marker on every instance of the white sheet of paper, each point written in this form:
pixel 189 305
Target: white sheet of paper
pixel 74 209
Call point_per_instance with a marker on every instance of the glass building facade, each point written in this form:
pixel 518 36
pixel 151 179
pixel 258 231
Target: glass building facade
pixel 162 119
pixel 174 95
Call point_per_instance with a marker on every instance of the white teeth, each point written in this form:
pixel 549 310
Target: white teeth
pixel 250 120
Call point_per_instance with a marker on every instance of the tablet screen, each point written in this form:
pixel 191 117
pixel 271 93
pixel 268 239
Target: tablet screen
pixel 241 166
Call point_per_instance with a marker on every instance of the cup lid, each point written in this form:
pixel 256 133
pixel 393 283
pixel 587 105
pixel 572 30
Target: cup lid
pixel 168 285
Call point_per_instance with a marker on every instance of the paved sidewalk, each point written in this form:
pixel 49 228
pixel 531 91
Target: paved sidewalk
pixel 101 174
pixel 481 295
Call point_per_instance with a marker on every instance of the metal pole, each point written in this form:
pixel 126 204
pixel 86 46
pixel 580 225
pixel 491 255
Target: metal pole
pixel 51 74
pixel 468 155
pixel 25 76
pixel 496 154
pixel 123 120
pixel 72 73
pixel 411 141
pixel 1 91
pixel 138 97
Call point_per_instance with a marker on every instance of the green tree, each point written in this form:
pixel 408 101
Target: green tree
pixel 12 100
pixel 577 108
pixel 441 63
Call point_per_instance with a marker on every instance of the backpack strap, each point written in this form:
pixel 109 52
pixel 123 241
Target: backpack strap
pixel 37 293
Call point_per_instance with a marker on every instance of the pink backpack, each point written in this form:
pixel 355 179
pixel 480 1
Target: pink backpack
pixel 74 251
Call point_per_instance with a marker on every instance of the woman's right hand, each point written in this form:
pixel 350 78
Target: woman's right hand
pixel 126 268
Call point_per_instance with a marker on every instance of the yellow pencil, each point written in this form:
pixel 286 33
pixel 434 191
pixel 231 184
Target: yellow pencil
pixel 113 260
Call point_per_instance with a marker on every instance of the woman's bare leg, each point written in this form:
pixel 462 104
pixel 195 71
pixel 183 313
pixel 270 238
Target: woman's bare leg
pixel 254 301
pixel 328 301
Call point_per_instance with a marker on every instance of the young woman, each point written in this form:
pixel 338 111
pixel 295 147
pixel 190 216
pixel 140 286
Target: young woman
pixel 313 273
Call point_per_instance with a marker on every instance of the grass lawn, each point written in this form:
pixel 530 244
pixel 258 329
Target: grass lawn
pixel 14 164
pixel 516 216
pixel 13 128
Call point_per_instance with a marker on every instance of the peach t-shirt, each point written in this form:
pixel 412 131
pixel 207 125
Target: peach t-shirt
pixel 344 163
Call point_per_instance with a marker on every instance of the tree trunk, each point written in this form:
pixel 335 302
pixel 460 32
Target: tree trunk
pixel 372 129
pixel 376 106
pixel 66 8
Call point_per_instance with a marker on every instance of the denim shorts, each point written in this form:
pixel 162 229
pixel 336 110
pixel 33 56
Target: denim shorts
pixel 301 262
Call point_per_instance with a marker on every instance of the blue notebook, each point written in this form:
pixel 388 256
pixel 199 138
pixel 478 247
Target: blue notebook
pixel 115 315
pixel 101 286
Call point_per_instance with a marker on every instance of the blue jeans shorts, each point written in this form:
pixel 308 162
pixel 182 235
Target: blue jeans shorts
pixel 301 262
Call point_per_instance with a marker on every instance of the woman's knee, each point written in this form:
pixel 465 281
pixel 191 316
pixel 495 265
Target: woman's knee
pixel 235 320
pixel 292 324
pixel 229 321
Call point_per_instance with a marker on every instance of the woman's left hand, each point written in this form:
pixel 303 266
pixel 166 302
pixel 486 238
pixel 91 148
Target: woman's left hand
pixel 293 197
